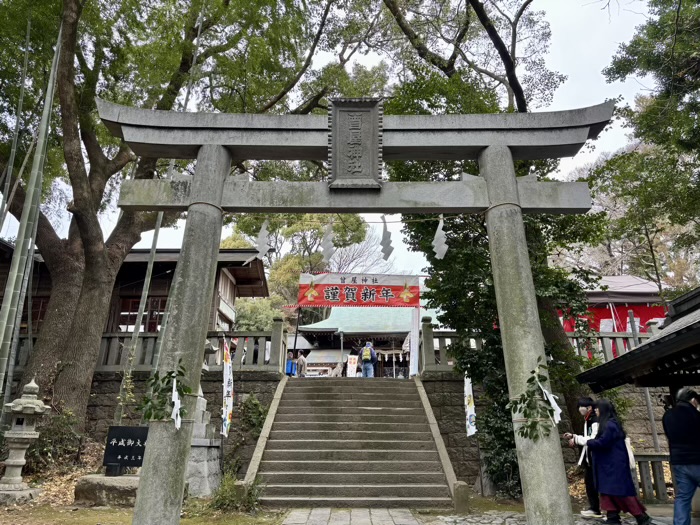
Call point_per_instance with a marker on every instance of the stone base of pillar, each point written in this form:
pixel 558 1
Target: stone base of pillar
pixel 17 496
pixel 204 465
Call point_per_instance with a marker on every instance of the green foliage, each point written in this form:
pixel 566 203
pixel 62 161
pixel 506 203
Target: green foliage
pixel 157 404
pixel 532 406
pixel 58 444
pixel 233 497
pixel 236 241
pixel 665 48
pixel 253 415
pixel 652 193
pixel 257 314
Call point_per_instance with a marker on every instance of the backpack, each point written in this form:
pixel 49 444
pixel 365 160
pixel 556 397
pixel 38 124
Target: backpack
pixel 366 353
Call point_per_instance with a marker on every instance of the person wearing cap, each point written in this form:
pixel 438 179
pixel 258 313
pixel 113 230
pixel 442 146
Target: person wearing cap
pixel 682 428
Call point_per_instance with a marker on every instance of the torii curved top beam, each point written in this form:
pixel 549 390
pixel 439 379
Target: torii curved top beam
pixel 170 134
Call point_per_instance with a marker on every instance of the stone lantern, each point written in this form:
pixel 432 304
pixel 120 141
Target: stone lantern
pixel 25 412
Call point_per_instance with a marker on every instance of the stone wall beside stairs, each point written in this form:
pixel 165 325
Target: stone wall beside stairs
pixel 445 392
pixel 262 385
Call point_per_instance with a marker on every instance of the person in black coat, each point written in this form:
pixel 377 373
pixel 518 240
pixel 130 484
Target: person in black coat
pixel 682 427
pixel 586 407
pixel 611 468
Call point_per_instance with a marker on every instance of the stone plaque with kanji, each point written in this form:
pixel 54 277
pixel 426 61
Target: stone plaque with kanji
pixel 355 143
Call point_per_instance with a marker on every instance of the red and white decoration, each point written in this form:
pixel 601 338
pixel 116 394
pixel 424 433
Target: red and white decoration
pixel 351 289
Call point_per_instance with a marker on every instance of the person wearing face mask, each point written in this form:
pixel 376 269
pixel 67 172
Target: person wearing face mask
pixel 611 467
pixel 682 428
pixel 590 429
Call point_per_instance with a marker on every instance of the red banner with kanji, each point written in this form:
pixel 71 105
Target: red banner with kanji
pixel 353 289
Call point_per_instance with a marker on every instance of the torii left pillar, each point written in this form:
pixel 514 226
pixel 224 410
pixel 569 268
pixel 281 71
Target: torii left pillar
pixel 162 483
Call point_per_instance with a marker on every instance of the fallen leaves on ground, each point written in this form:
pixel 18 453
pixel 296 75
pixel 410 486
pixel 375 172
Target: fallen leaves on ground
pixel 57 483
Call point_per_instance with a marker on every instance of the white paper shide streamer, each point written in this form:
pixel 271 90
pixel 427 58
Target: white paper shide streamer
pixel 439 245
pixel 175 415
pixel 552 400
pixel 387 248
pixel 262 243
pixel 327 248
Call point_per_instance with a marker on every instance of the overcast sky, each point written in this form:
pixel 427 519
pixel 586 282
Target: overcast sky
pixel 584 38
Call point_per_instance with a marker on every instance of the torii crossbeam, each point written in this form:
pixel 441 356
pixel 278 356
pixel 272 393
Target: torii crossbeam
pixel 355 139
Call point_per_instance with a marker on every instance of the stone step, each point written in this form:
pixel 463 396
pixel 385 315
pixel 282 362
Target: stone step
pixel 348 444
pixel 350 387
pixel 372 403
pixel 370 397
pixel 351 466
pixel 325 381
pixel 320 454
pixel 396 434
pixel 359 425
pixel 364 417
pixel 352 478
pixel 349 502
pixel 332 409
pixel 358 491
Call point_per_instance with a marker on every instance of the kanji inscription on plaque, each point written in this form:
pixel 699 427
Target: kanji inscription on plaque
pixel 355 143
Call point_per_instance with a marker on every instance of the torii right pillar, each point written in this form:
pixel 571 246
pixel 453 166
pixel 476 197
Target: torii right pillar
pixel 543 475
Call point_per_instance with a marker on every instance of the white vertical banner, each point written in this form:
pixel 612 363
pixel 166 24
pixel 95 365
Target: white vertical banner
pixel 351 370
pixel 469 406
pixel 414 341
pixel 227 405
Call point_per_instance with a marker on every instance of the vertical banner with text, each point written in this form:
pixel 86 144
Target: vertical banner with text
pixel 227 406
pixel 469 406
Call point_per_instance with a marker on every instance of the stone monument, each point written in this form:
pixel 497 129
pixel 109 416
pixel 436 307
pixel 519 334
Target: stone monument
pixel 25 413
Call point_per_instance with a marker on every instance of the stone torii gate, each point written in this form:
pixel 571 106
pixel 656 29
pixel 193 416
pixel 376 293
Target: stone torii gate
pixel 355 138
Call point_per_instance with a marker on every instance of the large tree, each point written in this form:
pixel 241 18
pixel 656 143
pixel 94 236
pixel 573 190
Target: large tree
pixel 240 56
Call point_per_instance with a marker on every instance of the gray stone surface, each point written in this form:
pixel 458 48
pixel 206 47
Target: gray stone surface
pixel 98 490
pixel 18 497
pixel 204 465
pixel 164 467
pixel 328 516
pixel 172 134
pixel 381 516
pixel 541 462
pixel 465 196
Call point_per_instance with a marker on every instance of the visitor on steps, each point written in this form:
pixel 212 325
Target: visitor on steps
pixel 368 357
pixel 291 369
pixel 682 427
pixel 586 407
pixel 301 364
pixel 611 466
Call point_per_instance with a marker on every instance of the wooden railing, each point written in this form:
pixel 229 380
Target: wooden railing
pixel 605 345
pixel 652 482
pixel 269 355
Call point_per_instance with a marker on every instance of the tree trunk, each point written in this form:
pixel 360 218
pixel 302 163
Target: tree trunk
pixel 74 380
pixel 48 354
pixel 558 344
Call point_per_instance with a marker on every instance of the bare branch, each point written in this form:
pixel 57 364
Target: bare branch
pixel 506 59
pixel 417 42
pixel 274 100
pixel 311 104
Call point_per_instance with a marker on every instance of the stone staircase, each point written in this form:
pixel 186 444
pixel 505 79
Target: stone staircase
pixel 352 442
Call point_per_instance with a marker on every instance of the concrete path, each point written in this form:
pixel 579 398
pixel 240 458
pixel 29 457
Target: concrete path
pixel 327 516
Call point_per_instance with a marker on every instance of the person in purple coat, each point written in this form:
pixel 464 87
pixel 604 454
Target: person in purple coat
pixel 611 468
